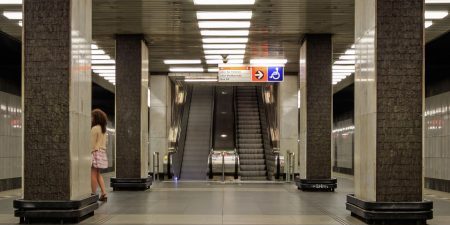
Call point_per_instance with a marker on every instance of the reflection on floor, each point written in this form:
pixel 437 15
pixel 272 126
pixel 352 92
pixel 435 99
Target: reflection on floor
pixel 213 203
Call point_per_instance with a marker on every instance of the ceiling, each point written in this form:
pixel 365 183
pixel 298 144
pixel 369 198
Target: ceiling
pixel 171 30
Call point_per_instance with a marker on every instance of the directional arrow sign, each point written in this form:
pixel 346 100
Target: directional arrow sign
pixel 259 74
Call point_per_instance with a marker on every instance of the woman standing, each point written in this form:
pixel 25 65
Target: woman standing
pixel 98 148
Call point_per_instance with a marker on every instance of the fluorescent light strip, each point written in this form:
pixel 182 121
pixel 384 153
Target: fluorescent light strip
pixel 224 32
pixel 224 40
pixel 224 2
pixel 218 61
pixel 13 15
pixel 95 57
pixel 186 69
pixel 437 15
pixel 230 15
pixel 343 67
pixel 10 2
pixel 106 61
pixel 347 57
pixel 107 75
pixel 428 23
pixel 182 61
pixel 220 57
pixel 224 46
pixel 213 70
pixel 268 61
pixel 200 80
pixel 225 51
pixel 94 46
pixel 350 52
pixel 437 1
pixel 103 67
pixel 105 71
pixel 97 52
pixel 343 71
pixel 345 62
pixel 223 24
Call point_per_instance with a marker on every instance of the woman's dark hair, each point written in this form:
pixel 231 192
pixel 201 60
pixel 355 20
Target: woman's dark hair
pixel 99 118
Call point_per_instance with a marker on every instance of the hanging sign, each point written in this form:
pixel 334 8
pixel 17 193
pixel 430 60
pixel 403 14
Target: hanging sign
pixel 250 73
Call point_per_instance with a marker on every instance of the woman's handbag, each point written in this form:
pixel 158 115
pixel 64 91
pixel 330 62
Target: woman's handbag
pixel 99 159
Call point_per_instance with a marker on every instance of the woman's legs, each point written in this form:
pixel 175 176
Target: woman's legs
pixel 101 182
pixel 94 180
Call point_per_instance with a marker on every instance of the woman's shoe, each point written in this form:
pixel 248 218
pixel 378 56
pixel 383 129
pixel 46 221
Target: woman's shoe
pixel 103 198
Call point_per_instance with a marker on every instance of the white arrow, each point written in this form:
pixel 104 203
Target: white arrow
pixel 259 74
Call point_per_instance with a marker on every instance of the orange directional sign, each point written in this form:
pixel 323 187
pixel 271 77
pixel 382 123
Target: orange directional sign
pixel 259 74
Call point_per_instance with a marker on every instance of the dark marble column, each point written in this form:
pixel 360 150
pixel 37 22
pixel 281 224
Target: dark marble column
pixel 389 103
pixel 315 113
pixel 57 110
pixel 132 82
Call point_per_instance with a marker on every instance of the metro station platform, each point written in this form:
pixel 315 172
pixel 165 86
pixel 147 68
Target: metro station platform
pixel 215 203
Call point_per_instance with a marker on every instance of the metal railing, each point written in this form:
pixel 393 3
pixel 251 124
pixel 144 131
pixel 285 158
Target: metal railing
pixel 276 153
pixel 222 154
pixel 290 165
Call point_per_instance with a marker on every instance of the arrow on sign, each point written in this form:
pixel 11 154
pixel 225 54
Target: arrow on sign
pixel 259 74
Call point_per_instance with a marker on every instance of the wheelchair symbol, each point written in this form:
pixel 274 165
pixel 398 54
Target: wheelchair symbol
pixel 275 75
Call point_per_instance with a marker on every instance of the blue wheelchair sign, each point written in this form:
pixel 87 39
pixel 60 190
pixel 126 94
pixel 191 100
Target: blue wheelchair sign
pixel 276 74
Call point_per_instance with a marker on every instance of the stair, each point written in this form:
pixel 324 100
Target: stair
pixel 250 139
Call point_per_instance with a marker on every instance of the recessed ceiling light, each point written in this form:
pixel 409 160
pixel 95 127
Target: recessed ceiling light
pixel 224 40
pixel 106 61
pixel 224 32
pixel 218 61
pixel 220 57
pixel 224 2
pixel 103 67
pixel 13 15
pixel 268 61
pixel 428 23
pixel 224 24
pixel 97 52
pixel 182 61
pixel 10 2
pixel 105 71
pixel 239 15
pixel 100 57
pixel 437 1
pixel 186 69
pixel 224 46
pixel 437 15
pixel 225 51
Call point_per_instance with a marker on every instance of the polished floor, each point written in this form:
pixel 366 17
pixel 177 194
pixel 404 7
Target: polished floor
pixel 215 203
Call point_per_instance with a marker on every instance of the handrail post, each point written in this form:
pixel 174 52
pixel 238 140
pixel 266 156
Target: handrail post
pixel 236 164
pixel 277 175
pixel 223 166
pixel 155 165
pixel 290 165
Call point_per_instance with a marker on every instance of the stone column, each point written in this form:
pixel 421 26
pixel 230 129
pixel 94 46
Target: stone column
pixel 389 104
pixel 316 113
pixel 132 79
pixel 56 86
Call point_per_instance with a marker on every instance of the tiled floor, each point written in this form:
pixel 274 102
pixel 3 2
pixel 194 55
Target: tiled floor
pixel 213 203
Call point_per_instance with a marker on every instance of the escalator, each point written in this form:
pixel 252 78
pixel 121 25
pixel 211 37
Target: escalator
pixel 198 134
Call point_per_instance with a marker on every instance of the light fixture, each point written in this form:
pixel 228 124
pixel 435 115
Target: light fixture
pixel 106 61
pixel 97 52
pixel 224 40
pixel 100 57
pixel 223 135
pixel 213 70
pixel 10 2
pixel 105 71
pixel 343 67
pixel 220 57
pixel 94 46
pixel 347 57
pixel 267 61
pixel 224 2
pixel 201 80
pixel 218 61
pixel 225 51
pixel 103 67
pixel 182 61
pixel 437 15
pixel 230 15
pixel 225 32
pixel 107 75
pixel 343 71
pixel 186 69
pixel 437 1
pixel 223 24
pixel 224 46
pixel 350 52
pixel 344 62
pixel 428 23
pixel 20 23
pixel 13 15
